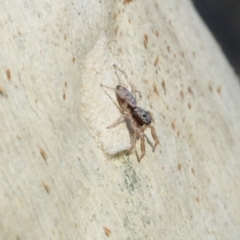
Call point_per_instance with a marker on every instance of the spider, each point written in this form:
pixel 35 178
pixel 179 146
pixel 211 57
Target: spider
pixel 137 118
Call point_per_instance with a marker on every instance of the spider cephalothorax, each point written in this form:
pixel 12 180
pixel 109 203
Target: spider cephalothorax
pixel 141 116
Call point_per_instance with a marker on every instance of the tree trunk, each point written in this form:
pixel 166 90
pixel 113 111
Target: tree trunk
pixel 64 175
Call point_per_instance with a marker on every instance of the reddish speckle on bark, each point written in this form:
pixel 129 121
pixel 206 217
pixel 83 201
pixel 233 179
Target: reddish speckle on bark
pixel 43 153
pixel 107 231
pixel 219 89
pixel 2 91
pixel 9 77
pixel 46 186
pixel 127 1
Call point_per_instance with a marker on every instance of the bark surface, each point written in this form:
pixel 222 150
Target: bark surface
pixel 64 175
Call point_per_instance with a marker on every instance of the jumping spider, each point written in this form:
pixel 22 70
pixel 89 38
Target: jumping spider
pixel 138 118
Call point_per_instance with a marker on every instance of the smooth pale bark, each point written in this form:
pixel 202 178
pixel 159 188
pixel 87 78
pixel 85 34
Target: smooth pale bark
pixel 63 174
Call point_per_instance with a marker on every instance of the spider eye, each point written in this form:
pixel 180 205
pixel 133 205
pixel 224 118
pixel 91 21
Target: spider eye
pixel 146 118
pixel 142 116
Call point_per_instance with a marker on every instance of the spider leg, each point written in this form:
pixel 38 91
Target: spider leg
pixel 138 133
pixel 123 108
pixel 133 89
pixel 142 148
pixel 133 143
pixel 135 135
pixel 154 137
pixel 119 120
pixel 115 90
pixel 124 115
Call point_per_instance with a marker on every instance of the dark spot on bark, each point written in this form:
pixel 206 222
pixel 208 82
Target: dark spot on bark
pixel 182 94
pixel 164 86
pixel 43 153
pixel 155 89
pixel 145 41
pixel 179 166
pixel 210 87
pixel 156 62
pixel 190 91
